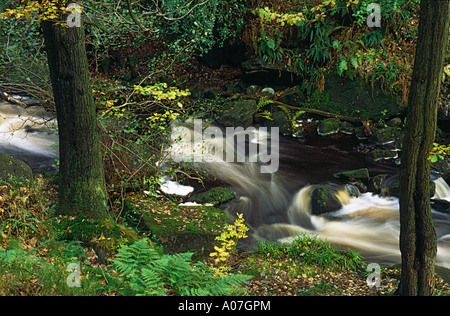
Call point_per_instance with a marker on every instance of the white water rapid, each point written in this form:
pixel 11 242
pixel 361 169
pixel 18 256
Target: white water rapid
pixel 278 206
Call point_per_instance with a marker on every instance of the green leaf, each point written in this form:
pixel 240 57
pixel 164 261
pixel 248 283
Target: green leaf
pixel 270 44
pixel 342 66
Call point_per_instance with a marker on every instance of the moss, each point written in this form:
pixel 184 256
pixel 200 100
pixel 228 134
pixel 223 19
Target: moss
pixel 177 228
pixel 105 236
pixel 215 196
pixel 13 168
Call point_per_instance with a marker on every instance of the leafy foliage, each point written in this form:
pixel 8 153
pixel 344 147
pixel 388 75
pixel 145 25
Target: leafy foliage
pixel 438 152
pixel 150 273
pixel 312 38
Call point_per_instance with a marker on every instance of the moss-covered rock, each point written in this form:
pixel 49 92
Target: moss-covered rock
pixel 238 113
pixel 215 196
pixel 387 135
pixel 381 154
pixel 324 200
pixel 10 167
pixel 105 236
pixel 178 228
pixel 328 126
pixel 357 174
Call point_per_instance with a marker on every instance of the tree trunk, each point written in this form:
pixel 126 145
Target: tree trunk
pixel 82 185
pixel 417 233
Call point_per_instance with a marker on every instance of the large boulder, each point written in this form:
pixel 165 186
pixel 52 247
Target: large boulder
pixel 238 113
pixel 10 167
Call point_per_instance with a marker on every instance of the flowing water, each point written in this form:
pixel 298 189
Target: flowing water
pixel 27 134
pixel 277 206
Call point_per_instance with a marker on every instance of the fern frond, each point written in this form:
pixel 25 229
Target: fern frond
pixel 131 259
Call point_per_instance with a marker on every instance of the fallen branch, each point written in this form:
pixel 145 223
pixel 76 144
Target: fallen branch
pixel 321 113
pixel 8 98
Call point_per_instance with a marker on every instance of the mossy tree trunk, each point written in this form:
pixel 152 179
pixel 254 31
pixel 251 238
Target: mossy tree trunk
pixel 417 233
pixel 82 185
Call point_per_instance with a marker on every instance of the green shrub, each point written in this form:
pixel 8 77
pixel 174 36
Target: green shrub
pixel 313 251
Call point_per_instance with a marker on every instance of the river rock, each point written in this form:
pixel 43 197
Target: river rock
pixel 394 188
pixel 10 167
pixel 358 174
pixel 280 120
pixel 267 93
pixel 380 154
pixel 440 205
pixel 328 126
pixel 252 90
pixel 346 128
pixel 215 196
pixel 387 135
pixel 238 113
pixel 323 200
pixel 375 184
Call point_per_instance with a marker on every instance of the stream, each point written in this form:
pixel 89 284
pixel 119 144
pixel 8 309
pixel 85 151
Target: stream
pixel 26 134
pixel 276 206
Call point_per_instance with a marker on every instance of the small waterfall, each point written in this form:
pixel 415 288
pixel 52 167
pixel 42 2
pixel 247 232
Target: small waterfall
pixel 442 190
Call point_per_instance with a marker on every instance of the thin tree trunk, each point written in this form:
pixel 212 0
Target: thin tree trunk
pixel 417 233
pixel 82 185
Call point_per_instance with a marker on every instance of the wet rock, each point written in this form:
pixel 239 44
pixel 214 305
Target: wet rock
pixel 394 188
pixel 252 90
pixel 441 167
pixel 324 200
pixel 387 135
pixel 267 93
pixel 280 120
pixel 375 184
pixel 346 128
pixel 352 190
pixel 440 205
pixel 358 174
pixel 395 122
pixel 328 126
pixel 215 196
pixel 360 133
pixel 10 167
pixel 238 113
pixel 380 154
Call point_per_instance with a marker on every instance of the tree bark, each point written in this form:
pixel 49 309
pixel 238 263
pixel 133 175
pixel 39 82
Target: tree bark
pixel 418 243
pixel 82 185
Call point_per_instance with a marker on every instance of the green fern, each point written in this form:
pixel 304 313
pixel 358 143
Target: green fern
pixel 150 273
